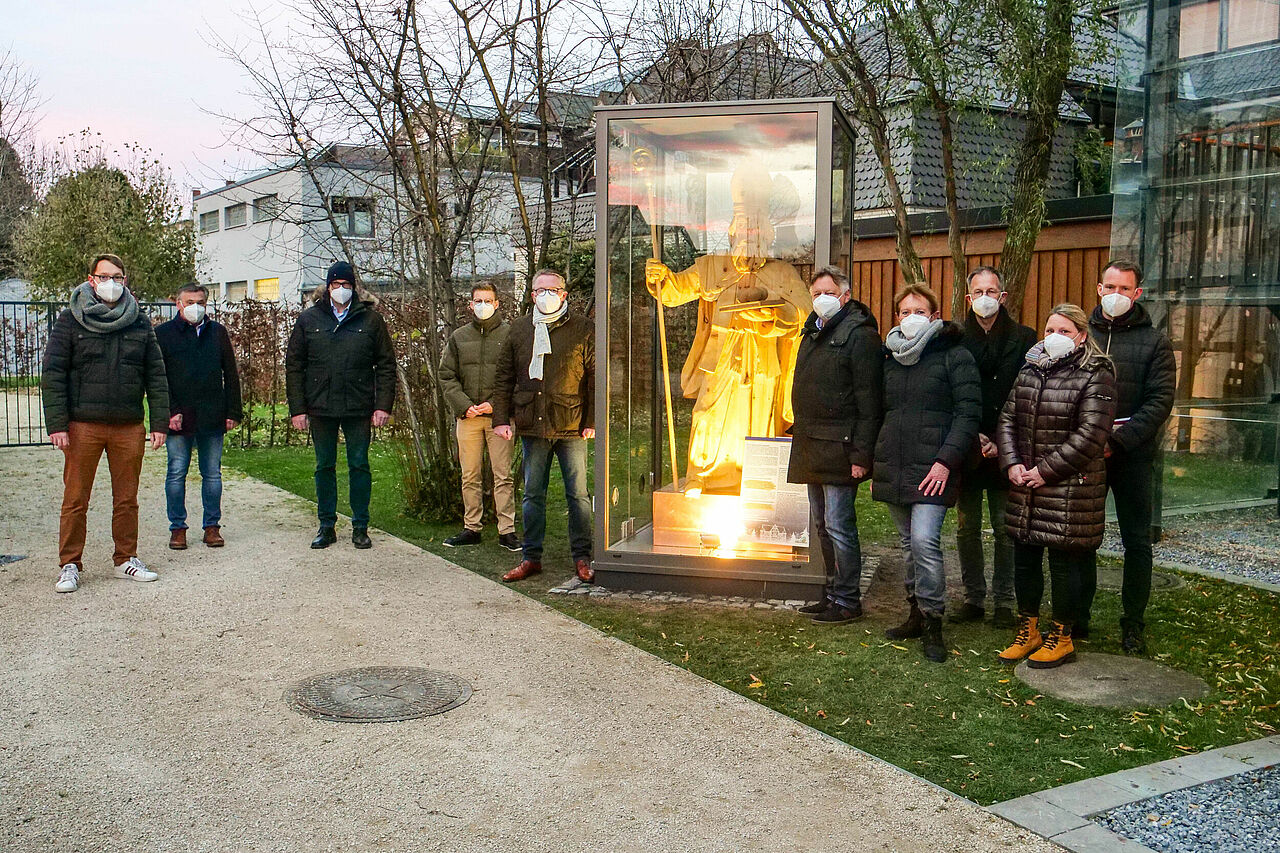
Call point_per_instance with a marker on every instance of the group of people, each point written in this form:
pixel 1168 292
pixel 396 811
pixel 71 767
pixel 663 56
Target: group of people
pixel 112 381
pixel 946 414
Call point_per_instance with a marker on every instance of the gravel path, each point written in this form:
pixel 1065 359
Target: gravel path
pixel 1241 542
pixel 150 716
pixel 1240 814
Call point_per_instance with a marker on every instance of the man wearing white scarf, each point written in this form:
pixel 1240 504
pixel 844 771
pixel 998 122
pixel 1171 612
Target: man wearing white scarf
pixel 545 394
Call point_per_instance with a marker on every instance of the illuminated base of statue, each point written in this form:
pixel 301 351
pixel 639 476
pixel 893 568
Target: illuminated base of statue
pixel 710 520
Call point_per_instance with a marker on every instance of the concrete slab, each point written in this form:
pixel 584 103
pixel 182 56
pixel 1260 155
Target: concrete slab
pixel 150 716
pixel 1113 681
pixel 1206 766
pixel 1038 815
pixel 1150 780
pixel 1087 797
pixel 1095 839
pixel 1258 753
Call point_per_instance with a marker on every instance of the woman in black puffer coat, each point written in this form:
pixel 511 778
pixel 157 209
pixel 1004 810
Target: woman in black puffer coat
pixel 1052 435
pixel 932 405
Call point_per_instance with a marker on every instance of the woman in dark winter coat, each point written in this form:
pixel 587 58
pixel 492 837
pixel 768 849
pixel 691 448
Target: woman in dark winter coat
pixel 932 404
pixel 1052 434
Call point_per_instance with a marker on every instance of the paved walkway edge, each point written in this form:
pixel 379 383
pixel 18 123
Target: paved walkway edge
pixel 1064 814
pixel 1196 570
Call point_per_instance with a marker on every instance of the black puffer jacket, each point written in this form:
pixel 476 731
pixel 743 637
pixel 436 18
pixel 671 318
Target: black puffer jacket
pixel 931 412
pixel 562 403
pixel 836 397
pixel 340 370
pixel 1146 377
pixel 1057 421
pixel 99 377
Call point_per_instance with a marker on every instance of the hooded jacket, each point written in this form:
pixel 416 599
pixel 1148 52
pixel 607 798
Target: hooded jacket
pixel 1146 376
pixel 931 413
pixel 1056 421
pixel 340 369
pixel 836 397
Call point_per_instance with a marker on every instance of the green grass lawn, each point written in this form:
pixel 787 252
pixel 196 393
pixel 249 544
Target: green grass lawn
pixel 967 725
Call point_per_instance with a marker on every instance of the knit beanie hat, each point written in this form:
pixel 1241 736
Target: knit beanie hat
pixel 340 271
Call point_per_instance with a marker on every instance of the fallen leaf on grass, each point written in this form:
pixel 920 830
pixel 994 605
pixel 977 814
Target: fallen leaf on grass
pixel 1072 763
pixel 755 682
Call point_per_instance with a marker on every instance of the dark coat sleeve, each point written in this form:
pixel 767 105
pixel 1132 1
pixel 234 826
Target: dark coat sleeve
pixel 384 368
pixel 589 380
pixel 504 383
pixel 230 378
pixel 451 381
pixel 1157 400
pixel 295 369
pixel 55 380
pixel 966 390
pixel 1096 410
pixel 1006 430
pixel 157 383
pixel 866 360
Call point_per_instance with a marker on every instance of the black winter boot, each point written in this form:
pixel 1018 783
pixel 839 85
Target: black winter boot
pixel 934 649
pixel 912 628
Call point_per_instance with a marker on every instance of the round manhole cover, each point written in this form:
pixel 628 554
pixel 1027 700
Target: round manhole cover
pixel 378 694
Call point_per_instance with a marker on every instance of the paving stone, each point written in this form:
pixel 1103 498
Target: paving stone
pixel 795 602
pixel 1038 815
pixel 1206 766
pixel 582 590
pixel 776 602
pixel 1088 796
pixel 1095 839
pixel 760 605
pixel 1259 753
pixel 1149 781
pixel 1113 681
pixel 599 593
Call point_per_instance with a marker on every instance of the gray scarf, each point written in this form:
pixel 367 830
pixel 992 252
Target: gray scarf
pixel 96 316
pixel 908 352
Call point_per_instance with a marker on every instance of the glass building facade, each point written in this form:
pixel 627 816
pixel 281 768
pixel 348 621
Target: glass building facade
pixel 1197 204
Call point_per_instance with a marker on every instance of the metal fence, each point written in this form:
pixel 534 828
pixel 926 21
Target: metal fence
pixel 24 334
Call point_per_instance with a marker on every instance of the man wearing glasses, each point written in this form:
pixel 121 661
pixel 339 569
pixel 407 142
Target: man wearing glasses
pixel 545 393
pixel 101 360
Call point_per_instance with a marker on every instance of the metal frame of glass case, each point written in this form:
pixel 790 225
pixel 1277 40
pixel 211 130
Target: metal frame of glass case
pixel 752 191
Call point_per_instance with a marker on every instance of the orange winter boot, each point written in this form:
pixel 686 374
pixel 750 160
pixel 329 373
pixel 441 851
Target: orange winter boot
pixel 1057 649
pixel 1026 641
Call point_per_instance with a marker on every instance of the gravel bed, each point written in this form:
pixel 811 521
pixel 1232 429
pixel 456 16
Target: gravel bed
pixel 1240 814
pixel 1241 542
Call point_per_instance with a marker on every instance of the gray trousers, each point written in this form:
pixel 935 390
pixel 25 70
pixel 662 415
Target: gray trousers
pixel 969 522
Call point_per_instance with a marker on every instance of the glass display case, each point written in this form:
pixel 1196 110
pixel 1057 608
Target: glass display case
pixel 710 220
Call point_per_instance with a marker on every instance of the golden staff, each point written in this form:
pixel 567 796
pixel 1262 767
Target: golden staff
pixel 642 162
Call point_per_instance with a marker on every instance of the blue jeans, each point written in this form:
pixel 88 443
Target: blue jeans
pixel 324 435
pixel 572 453
pixel 920 531
pixel 834 518
pixel 209 447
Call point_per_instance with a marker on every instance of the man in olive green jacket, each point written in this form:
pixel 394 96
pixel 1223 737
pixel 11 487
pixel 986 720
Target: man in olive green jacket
pixel 467 377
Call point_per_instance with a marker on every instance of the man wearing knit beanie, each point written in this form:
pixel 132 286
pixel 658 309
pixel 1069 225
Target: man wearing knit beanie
pixel 340 374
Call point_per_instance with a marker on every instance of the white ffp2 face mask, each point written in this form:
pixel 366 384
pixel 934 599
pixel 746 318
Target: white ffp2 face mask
pixel 340 295
pixel 912 325
pixel 548 302
pixel 193 313
pixel 109 290
pixel 482 310
pixel 1116 304
pixel 1058 345
pixel 826 306
pixel 984 306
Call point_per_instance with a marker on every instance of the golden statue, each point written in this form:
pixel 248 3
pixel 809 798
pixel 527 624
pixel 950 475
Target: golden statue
pixel 750 312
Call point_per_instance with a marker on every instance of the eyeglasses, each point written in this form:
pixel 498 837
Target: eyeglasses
pixel 103 279
pixel 541 290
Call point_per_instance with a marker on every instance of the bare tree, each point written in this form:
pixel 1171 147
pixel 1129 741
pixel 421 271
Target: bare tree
pixel 20 105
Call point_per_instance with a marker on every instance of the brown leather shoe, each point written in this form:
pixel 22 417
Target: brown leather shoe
pixel 586 574
pixel 213 538
pixel 178 539
pixel 526 569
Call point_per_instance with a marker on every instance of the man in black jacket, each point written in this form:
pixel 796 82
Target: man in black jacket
pixel 1146 376
pixel 544 392
pixel 999 345
pixel 101 359
pixel 836 400
pixel 204 405
pixel 340 373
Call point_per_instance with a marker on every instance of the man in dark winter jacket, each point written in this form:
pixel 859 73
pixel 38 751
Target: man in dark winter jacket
pixel 101 359
pixel 545 393
pixel 999 346
pixel 467 376
pixel 836 400
pixel 1146 376
pixel 204 404
pixel 340 372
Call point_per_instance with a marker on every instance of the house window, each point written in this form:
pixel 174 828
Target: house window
pixel 266 208
pixel 237 291
pixel 209 222
pixel 1202 30
pixel 1198 29
pixel 354 216
pixel 266 290
pixel 237 215
pixel 1252 22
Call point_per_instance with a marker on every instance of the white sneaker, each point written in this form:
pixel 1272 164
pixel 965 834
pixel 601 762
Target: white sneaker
pixel 134 569
pixel 69 579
